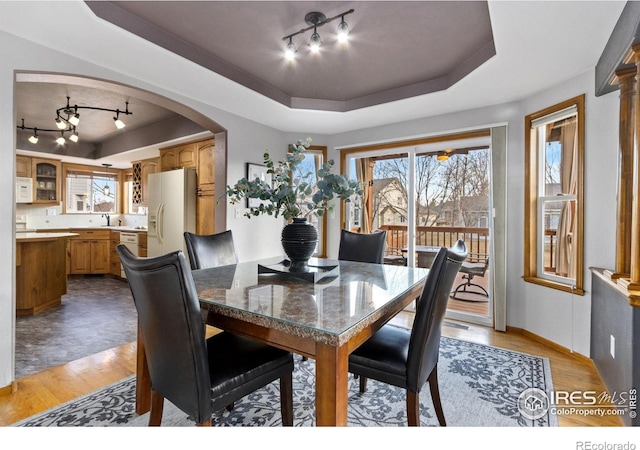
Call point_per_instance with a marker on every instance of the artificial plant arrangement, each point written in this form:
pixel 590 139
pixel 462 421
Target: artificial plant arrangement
pixel 290 194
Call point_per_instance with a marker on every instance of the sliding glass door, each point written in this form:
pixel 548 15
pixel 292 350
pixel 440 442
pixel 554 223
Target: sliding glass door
pixel 429 195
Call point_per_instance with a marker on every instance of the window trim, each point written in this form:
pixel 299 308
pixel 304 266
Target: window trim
pixel 69 167
pixel 531 198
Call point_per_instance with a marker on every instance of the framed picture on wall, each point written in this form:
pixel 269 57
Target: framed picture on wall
pixel 257 171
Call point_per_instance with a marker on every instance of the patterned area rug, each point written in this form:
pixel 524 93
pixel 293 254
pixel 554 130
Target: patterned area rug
pixel 479 386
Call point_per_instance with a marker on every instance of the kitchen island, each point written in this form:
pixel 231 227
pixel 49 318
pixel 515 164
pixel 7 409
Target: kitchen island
pixel 41 275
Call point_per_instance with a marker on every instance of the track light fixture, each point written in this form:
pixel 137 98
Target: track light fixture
pixel 315 20
pixel 68 117
pixel 34 137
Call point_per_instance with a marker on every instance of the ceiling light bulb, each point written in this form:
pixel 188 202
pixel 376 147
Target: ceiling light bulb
pixel 105 190
pixel 343 32
pixel 119 123
pixel 315 42
pixel 290 51
pixel 74 137
pixel 61 140
pixel 34 139
pixel 442 157
pixel 61 124
pixel 75 119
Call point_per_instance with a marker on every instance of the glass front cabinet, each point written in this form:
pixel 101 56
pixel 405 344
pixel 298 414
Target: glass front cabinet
pixel 46 180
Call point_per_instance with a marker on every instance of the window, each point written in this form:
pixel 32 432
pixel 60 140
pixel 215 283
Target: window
pixel 90 190
pixel 554 159
pixel 314 157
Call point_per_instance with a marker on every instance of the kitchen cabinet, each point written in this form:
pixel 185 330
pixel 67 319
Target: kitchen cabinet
pixel 23 166
pixel 205 200
pixel 89 252
pixel 46 183
pixel 198 154
pixel 114 259
pixel 41 279
pixel 147 167
pixel 142 244
pixel 178 157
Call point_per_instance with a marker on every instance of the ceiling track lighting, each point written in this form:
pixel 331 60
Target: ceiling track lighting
pixel 34 138
pixel 68 117
pixel 315 20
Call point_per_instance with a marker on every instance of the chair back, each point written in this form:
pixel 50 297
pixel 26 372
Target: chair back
pixel 214 250
pixel 424 343
pixel 362 247
pixel 171 326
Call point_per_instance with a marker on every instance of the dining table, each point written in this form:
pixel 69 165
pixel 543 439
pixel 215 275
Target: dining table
pixel 324 317
pixel 426 254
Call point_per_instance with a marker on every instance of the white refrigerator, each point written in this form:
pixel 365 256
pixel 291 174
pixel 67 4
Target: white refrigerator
pixel 172 210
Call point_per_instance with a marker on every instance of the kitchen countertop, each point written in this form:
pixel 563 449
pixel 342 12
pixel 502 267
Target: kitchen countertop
pixel 34 237
pixel 86 227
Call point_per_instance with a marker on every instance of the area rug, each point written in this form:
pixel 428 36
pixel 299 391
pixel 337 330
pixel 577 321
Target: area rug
pixel 479 386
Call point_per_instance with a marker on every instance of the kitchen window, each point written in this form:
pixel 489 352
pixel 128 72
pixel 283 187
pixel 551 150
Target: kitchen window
pixel 90 190
pixel 554 203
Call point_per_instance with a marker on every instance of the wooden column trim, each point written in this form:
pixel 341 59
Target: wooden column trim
pixel 627 81
pixel 635 192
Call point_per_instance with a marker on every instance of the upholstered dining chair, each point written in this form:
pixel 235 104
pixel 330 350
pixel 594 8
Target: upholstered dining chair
pixel 362 247
pixel 212 250
pixel 409 358
pixel 196 374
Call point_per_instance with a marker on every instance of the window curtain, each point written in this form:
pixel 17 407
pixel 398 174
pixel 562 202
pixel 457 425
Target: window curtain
pixel 364 177
pixel 565 256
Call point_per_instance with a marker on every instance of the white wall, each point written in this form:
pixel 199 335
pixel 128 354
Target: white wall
pixel 556 315
pixel 246 142
pixel 543 311
pixel 546 312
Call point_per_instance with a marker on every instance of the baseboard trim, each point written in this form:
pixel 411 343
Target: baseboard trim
pixel 8 390
pixel 564 350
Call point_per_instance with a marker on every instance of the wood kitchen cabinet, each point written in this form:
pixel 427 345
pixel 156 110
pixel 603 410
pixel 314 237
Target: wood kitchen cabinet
pixel 46 180
pixel 198 154
pixel 23 166
pixel 89 252
pixel 142 244
pixel 178 157
pixel 114 259
pixel 205 200
pixel 147 167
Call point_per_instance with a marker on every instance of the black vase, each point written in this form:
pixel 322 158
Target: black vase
pixel 299 240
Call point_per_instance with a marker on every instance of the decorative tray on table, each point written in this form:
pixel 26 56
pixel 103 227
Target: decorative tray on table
pixel 315 272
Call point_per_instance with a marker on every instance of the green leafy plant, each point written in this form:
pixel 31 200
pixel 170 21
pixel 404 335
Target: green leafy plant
pixel 290 194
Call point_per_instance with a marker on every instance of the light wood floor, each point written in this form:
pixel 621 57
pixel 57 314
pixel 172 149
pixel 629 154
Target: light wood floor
pixel 44 390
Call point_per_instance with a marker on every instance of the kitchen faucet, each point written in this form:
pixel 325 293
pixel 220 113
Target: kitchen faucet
pixel 106 216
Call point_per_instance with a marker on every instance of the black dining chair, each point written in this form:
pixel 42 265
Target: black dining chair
pixel 212 250
pixel 409 358
pixel 196 374
pixel 362 247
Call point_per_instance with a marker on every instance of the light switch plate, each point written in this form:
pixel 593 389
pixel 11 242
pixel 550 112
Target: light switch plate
pixel 612 347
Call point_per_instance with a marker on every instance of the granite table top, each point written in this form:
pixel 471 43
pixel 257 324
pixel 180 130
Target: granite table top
pixel 331 310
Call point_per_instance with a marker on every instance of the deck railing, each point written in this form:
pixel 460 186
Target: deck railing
pixel 476 239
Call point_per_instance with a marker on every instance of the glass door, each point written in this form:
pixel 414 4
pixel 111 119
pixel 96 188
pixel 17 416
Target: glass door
pixel 428 196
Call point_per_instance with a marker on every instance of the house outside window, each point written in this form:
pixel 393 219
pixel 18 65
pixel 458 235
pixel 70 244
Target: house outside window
pixel 90 190
pixel 554 211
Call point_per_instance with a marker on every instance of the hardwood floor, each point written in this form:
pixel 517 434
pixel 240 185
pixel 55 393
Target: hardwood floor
pixel 44 390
